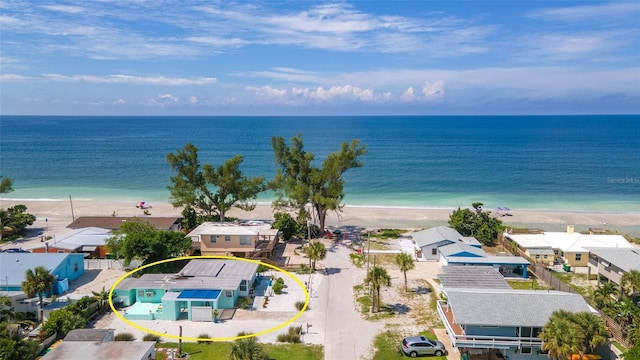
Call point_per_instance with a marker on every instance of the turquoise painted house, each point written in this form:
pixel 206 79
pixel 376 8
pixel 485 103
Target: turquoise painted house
pixel 202 286
pixel 64 267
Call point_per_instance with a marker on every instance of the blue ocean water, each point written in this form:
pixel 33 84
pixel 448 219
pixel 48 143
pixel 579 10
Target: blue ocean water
pixel 582 163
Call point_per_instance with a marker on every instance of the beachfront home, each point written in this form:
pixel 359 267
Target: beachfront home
pixel 570 247
pixel 13 268
pixel 502 323
pixel 428 242
pixel 613 263
pixel 88 241
pixel 254 239
pixel 195 291
pixel 459 253
pixel 114 222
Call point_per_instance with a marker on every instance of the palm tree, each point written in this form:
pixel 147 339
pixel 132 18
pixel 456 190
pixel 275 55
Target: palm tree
pixel 378 277
pixel 405 261
pixel 102 298
pixel 247 349
pixel 561 337
pixel 567 333
pixel 315 251
pixel 603 295
pixel 630 283
pixel 595 331
pixel 38 281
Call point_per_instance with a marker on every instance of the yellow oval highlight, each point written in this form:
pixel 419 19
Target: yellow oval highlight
pixel 298 281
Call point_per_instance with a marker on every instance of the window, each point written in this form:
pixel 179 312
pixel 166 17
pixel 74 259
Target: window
pixel 227 238
pixel 526 350
pixel 434 251
pixel 245 240
pixel 537 257
pixel 75 267
pixel 578 257
pixel 140 293
pixel 228 293
pixel 60 251
pixel 213 238
pixel 243 285
pixel 545 257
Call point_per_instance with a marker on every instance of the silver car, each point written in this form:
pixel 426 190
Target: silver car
pixel 420 345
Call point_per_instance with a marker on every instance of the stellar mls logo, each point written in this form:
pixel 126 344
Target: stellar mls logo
pixel 623 180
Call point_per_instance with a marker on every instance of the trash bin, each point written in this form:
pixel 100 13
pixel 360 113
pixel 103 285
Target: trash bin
pixel 566 267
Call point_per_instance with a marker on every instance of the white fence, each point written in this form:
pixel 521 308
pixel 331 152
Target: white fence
pixel 110 264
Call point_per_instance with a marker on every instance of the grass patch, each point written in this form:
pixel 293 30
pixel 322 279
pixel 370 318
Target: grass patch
pixel 388 345
pixel 527 285
pixel 365 303
pixel 388 233
pixel 619 346
pixel 222 350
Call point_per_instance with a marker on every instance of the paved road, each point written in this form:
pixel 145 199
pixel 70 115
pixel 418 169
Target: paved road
pixel 347 335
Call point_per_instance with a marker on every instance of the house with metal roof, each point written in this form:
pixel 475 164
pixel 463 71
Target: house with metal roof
pixel 103 350
pixel 471 277
pixel 114 222
pixel 429 241
pixel 64 267
pixel 571 247
pixel 201 287
pixel 254 239
pixel 90 241
pixel 503 323
pixel 613 263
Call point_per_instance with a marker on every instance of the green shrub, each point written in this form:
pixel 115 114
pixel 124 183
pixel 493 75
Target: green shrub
pixel 245 302
pixel 292 335
pixel 357 259
pixel 277 288
pixel 300 305
pixel 151 337
pixel 204 336
pixel 125 337
pixel 280 281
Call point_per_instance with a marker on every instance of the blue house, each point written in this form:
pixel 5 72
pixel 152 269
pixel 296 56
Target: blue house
pixel 502 323
pixel 202 286
pixel 428 242
pixel 64 267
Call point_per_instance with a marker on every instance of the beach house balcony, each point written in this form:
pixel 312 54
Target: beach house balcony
pixel 466 336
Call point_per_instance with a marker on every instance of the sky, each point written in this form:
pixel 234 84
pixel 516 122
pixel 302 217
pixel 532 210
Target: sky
pixel 319 58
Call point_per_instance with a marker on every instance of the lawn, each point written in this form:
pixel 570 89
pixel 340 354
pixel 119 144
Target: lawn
pixel 221 350
pixel 388 346
pixel 527 285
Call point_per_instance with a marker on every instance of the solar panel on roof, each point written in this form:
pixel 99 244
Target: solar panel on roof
pixel 199 294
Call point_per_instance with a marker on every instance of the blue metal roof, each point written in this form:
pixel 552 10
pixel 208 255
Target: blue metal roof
pixel 199 294
pixel 13 266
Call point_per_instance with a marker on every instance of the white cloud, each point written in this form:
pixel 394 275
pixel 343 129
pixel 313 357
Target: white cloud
pixel 120 102
pixel 193 100
pixel 168 98
pixel 267 91
pixel 15 78
pixel 589 12
pixel 434 89
pixel 129 79
pixel 409 94
pixel 64 8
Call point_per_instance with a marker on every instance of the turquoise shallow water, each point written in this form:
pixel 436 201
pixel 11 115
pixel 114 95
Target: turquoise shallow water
pixel 584 163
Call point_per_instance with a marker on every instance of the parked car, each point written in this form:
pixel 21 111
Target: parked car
pixel 14 250
pixel 420 345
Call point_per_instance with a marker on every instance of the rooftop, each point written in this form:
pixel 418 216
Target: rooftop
pixel 90 236
pixel 511 307
pixel 435 235
pixel 89 334
pixel 472 277
pixel 459 247
pixel 107 350
pixel 489 260
pixel 114 222
pixel 625 259
pixel 13 266
pixel 249 228
pixel 568 242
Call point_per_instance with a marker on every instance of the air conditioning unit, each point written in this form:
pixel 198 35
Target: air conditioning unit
pixel 150 293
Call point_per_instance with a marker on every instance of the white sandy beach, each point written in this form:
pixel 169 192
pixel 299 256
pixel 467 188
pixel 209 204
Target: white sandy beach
pixel 52 216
